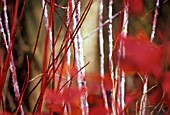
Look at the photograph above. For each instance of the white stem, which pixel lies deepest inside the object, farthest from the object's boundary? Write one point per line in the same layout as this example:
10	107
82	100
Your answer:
101	51
68	56
154	21
125	20
143	104
12	65
48	27
79	58
122	53
3	33
101	41
110	34
110	40
121	82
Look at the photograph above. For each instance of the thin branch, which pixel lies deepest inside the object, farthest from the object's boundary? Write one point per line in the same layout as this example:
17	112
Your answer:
103	24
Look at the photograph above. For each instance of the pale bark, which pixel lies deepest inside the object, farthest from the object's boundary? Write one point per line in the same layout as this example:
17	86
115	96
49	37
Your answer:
110	44
79	58
121	52
12	65
101	51
143	104
67	108
46	20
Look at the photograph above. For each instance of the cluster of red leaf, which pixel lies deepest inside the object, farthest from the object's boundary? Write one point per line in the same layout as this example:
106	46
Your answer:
55	101
142	56
94	82
70	96
135	7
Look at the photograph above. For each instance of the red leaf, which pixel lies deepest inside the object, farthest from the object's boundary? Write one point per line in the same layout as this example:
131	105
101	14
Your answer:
132	95
168	53
93	83
76	110
130	98
166	83
93	78
55	108
141	56
108	84
98	110
5	113
72	95
155	97
53	96
135	7
68	70
95	100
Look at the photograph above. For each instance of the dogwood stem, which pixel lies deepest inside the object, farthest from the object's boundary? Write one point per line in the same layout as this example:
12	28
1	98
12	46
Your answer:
12	65
121	52
68	56
101	51
110	44
79	58
143	104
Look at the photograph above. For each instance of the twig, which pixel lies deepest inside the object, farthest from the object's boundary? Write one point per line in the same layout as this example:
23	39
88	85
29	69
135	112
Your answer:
103	24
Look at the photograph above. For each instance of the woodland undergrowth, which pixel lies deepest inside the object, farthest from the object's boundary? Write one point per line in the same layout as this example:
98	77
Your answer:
134	58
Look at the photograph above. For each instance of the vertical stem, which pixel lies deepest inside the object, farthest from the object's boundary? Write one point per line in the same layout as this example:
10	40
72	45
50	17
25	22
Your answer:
125	19
110	37
101	51
79	58
110	40
2	78
48	38
101	41
69	13
121	74
68	56
143	104
51	31
3	33
12	65
48	28
154	21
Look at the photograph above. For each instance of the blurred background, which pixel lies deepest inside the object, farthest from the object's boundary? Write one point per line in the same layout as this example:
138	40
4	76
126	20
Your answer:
28	31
